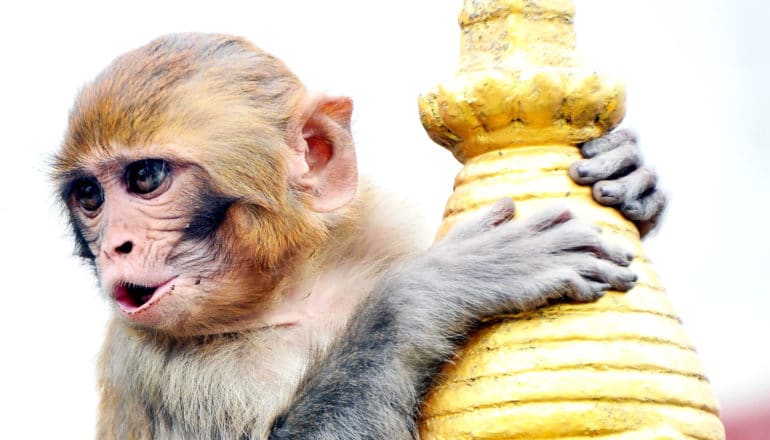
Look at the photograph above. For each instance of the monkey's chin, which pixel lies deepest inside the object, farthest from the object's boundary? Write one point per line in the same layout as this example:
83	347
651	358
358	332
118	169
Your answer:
137	301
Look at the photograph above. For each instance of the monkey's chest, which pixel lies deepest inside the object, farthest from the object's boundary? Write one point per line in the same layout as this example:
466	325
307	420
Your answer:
213	390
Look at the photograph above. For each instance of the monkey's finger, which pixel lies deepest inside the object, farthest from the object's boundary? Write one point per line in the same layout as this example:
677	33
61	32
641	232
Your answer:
625	189
613	253
547	218
583	240
501	212
574	237
618	277
599	287
607	142
604	166
568	283
646	208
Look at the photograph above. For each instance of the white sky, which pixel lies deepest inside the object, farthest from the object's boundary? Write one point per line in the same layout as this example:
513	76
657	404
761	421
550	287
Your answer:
696	74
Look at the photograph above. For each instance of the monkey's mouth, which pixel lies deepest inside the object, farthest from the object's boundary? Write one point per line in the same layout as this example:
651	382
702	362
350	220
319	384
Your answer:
132	297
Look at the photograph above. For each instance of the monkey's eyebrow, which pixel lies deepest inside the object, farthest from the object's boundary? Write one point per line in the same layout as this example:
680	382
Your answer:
65	179
63	173
114	165
69	175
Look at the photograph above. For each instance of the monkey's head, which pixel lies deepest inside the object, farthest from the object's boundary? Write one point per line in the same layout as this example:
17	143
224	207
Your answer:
196	170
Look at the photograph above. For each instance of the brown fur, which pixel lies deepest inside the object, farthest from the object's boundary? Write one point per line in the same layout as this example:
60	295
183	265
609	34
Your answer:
225	112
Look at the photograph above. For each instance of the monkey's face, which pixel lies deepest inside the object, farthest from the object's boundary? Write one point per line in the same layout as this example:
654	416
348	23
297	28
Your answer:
153	229
197	170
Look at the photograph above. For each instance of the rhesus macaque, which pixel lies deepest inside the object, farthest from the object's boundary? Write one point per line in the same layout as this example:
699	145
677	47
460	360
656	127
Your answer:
260	288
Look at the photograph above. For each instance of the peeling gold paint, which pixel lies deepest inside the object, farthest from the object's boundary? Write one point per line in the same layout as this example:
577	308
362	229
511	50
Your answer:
620	368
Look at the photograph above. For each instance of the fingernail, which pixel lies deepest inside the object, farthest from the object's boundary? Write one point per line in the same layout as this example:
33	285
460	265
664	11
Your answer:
608	191
582	171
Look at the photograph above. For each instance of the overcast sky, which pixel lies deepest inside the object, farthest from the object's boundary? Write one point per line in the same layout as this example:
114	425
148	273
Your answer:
697	87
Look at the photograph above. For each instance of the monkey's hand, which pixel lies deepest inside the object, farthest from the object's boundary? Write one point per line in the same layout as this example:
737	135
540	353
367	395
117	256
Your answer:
371	381
520	265
613	165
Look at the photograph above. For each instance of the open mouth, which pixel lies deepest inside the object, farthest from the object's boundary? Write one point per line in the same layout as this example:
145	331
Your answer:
132	297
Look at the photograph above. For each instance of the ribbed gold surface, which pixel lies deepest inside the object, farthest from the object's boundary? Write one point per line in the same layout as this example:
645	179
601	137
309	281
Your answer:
618	368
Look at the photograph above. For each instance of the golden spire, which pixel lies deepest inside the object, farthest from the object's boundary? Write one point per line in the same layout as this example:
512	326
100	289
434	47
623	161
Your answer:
619	368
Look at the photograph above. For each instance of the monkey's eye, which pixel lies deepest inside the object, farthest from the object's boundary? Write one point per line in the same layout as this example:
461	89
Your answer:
145	176
88	193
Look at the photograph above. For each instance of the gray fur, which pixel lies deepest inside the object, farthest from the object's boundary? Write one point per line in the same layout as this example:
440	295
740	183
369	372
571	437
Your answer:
608	142
371	383
609	164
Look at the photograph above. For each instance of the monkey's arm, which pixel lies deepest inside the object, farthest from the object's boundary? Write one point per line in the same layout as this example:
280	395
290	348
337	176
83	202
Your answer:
613	165
371	382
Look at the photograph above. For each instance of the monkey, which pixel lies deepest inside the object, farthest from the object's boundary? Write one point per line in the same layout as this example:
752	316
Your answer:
260	287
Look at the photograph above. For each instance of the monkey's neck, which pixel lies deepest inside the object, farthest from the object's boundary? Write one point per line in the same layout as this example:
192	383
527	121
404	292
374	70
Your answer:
369	236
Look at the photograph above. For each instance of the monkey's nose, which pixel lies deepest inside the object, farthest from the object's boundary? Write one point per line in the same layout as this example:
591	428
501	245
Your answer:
124	248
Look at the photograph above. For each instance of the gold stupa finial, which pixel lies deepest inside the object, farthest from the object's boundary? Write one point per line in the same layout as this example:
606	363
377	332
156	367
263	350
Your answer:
620	368
519	82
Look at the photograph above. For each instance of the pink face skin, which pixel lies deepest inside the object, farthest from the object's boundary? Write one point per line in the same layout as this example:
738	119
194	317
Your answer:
133	235
165	272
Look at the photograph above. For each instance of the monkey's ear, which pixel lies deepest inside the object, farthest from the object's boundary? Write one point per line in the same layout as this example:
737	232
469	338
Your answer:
325	162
